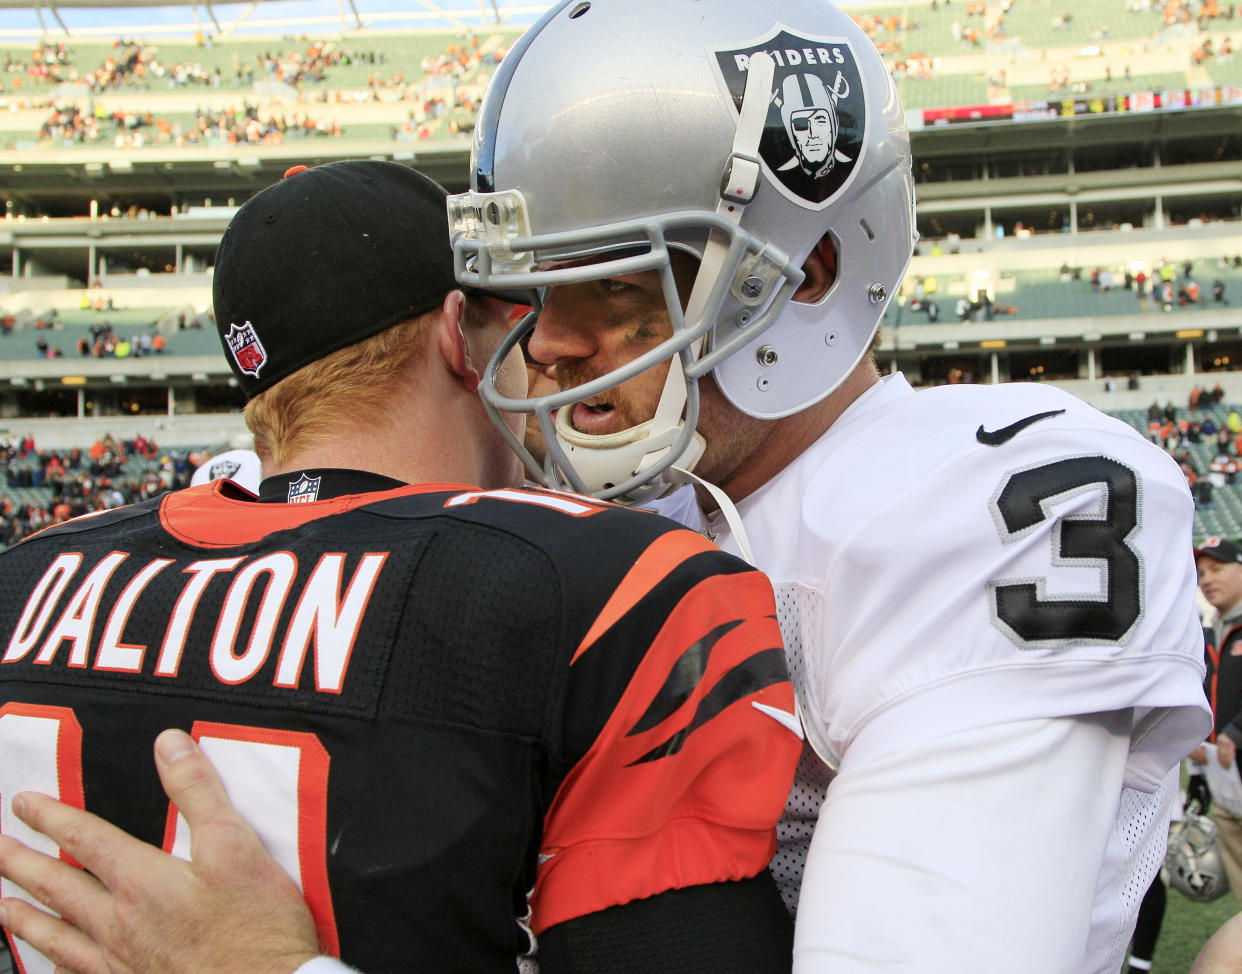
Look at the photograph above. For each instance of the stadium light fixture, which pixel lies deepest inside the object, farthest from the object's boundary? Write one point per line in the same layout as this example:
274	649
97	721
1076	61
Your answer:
950	346
1189	333
1138	336
991	343
73	380
1047	340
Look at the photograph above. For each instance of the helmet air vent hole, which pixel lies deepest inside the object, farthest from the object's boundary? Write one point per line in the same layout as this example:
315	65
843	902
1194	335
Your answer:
866	228
579	10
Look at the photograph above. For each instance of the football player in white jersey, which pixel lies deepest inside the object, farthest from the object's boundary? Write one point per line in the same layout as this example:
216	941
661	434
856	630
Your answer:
987	592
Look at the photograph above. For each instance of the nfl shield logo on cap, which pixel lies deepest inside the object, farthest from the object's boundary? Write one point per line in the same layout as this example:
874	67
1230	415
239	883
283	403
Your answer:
246	349
305	490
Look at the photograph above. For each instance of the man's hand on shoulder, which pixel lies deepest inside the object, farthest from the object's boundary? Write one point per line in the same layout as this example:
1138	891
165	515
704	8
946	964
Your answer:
138	910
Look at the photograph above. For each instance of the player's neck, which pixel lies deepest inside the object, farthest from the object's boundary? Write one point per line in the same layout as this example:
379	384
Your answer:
438	433
792	436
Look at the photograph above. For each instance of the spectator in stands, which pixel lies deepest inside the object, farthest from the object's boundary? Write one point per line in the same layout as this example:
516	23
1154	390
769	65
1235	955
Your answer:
1203	494
1218	291
1153	411
1193	399
1218	393
1223	469
1219	563
1170	411
1168	295
1234	421
1188	471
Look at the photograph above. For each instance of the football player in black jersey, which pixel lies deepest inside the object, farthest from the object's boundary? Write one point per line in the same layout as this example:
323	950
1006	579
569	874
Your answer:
463	716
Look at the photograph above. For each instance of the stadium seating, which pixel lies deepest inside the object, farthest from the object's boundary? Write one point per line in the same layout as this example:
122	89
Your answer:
1040	293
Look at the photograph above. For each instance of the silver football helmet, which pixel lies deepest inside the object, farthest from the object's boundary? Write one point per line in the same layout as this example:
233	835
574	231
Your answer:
739	131
1193	863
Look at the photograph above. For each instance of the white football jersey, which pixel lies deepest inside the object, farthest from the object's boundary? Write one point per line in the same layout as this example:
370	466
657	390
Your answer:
969	557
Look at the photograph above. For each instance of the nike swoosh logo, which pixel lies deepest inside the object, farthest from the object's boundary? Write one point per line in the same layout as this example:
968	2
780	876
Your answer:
1007	433
782	717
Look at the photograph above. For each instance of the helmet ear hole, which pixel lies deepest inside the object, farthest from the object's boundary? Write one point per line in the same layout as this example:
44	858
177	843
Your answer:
820	268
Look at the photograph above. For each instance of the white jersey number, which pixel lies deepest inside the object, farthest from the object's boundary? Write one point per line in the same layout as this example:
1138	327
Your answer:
1099	539
277	780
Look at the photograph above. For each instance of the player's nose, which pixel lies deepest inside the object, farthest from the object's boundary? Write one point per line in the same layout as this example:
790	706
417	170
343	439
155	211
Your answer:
563	331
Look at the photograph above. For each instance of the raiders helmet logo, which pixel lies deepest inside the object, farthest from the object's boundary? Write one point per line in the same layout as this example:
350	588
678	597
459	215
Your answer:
817	115
223	468
304	490
246	349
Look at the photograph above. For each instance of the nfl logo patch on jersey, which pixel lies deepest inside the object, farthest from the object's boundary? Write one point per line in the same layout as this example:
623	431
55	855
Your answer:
304	490
246	349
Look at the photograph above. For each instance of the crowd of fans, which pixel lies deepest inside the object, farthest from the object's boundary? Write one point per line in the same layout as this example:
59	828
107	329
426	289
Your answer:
48	64
1165	287
246	124
136	66
81	481
1199	425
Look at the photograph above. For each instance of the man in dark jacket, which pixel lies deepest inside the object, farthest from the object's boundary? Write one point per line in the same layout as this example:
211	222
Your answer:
1219	562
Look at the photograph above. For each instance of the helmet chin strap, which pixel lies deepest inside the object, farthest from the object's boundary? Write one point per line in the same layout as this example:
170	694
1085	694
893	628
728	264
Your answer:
741	179
727	508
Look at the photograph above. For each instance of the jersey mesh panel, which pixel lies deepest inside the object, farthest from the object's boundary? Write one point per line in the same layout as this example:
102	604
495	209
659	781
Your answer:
793	831
1143	836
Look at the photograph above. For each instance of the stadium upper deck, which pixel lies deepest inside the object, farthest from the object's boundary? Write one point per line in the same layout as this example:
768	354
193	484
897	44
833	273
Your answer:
1105	136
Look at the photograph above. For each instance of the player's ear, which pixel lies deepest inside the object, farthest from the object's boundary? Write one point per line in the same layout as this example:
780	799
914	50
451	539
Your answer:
820	268
453	345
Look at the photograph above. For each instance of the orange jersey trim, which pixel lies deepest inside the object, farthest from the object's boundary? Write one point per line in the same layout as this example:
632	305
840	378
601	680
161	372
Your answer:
653	565
205	517
661	805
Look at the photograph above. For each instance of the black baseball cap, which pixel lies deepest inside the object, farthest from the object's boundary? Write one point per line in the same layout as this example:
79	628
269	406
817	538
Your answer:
326	257
1222	549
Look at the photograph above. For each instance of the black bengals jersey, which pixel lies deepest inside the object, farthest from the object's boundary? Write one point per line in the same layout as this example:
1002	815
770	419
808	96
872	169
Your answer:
429	701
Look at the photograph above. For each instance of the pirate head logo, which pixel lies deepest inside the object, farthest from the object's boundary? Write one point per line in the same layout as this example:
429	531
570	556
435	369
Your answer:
304	490
223	468
247	351
817	115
